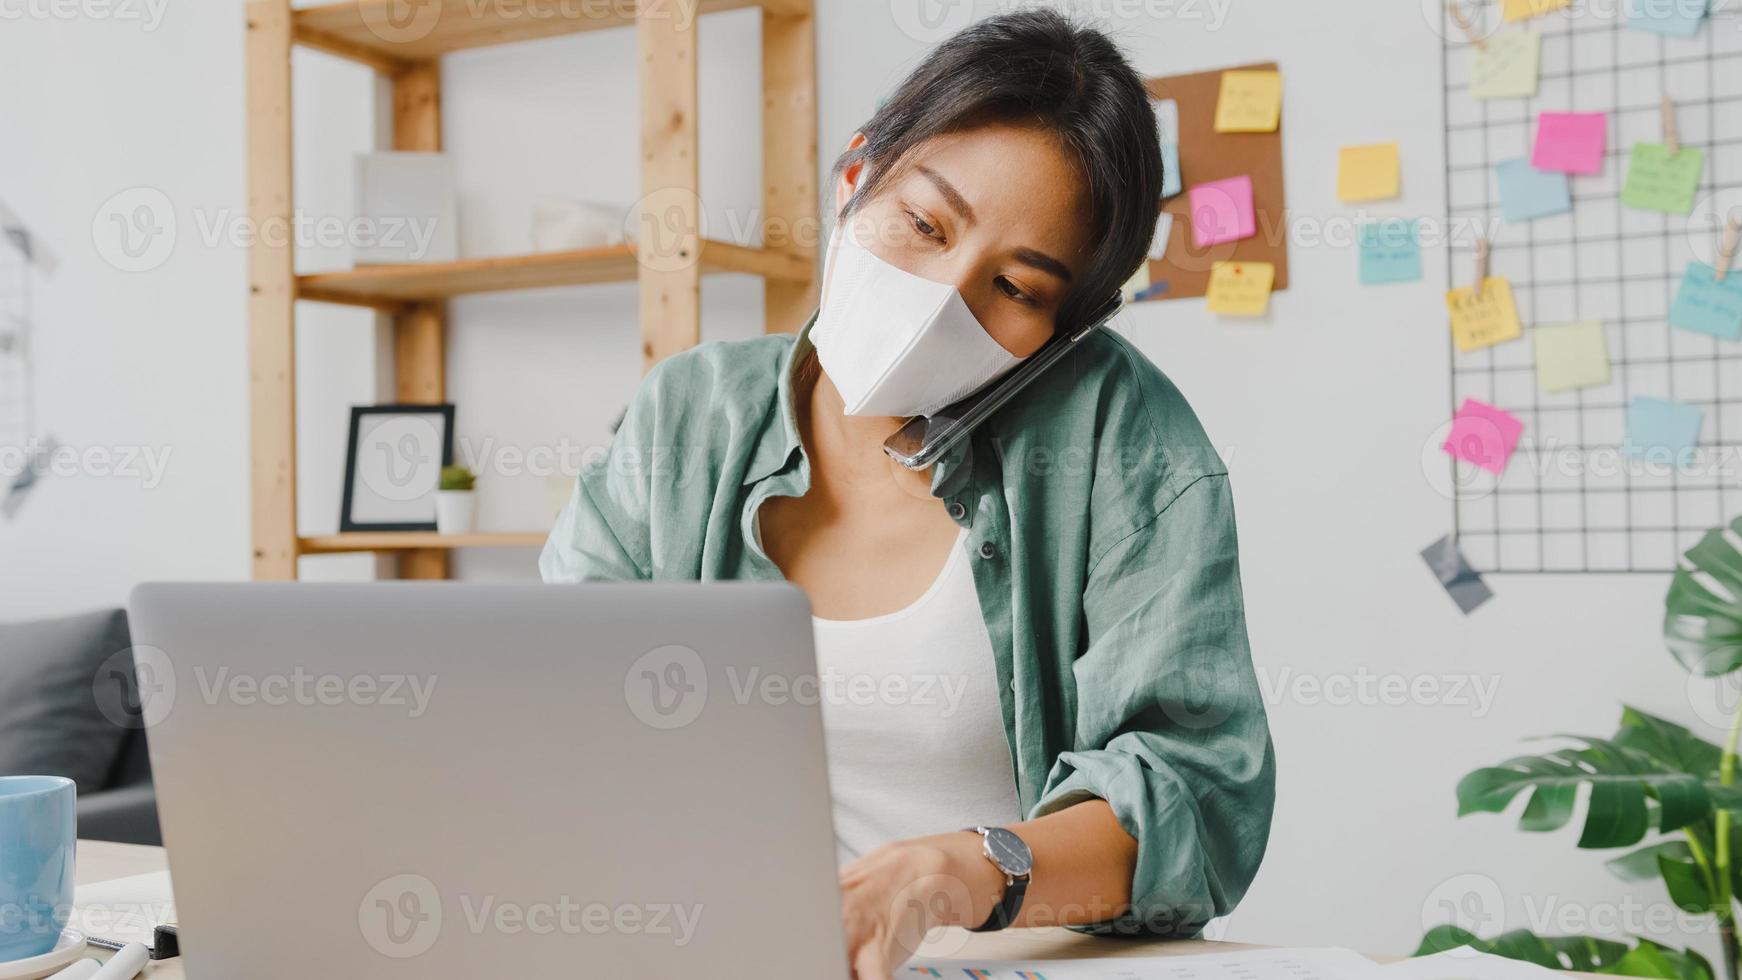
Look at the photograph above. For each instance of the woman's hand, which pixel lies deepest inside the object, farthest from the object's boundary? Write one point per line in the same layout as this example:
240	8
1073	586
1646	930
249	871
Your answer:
893	896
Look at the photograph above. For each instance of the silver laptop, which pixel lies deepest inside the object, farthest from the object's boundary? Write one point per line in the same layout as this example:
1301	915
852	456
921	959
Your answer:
456	781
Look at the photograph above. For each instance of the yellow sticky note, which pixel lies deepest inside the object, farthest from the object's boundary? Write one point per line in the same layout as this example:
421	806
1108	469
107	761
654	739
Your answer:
1137	284
1241	288
1251	102
1526	9
1483	322
1508	68
1369	173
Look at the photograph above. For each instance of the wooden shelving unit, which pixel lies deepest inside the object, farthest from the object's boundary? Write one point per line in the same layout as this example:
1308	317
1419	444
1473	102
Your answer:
404	44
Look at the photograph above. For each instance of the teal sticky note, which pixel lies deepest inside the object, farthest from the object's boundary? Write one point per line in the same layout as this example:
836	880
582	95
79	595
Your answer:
1658	181
1674	18
1171	183
1707	305
1527	193
1390	252
1663	431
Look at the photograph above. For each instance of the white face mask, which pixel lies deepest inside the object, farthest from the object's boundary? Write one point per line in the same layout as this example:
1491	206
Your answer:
895	344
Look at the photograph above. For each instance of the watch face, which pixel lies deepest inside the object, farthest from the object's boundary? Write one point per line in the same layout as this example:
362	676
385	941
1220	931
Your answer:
1008	852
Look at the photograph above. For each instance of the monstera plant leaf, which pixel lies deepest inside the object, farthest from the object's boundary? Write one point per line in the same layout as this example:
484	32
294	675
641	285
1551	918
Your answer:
1584	954
1623	780
1703	625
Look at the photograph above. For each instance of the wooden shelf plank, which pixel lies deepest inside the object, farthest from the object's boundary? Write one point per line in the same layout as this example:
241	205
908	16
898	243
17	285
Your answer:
358	541
388	286
381	34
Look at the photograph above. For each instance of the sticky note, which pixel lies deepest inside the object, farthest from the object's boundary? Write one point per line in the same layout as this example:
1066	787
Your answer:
1483	435
1571	142
1657	181
1485	321
1570	355
1167	127
1163	232
1707	305
1526	9
1368	173
1674	18
1171	179
1390	252
1251	102
1508	68
1454	572
1241	288
1222	211
1663	431
1527	193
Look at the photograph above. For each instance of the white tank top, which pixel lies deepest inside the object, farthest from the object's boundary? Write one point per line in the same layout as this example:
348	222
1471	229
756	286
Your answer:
915	732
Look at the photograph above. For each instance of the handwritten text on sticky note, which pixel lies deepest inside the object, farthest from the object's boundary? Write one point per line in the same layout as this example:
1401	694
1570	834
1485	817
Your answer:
1508	67
1222	211
1390	252
1483	321
1241	288
1571	142
1251	102
1704	304
1658	180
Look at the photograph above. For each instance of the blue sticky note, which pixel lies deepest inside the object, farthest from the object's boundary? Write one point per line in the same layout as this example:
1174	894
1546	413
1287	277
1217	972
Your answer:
1663	431
1707	305
1390	252
1526	192
1674	18
1170	176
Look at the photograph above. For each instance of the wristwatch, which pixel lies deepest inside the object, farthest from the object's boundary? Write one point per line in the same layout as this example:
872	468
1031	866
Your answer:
1011	856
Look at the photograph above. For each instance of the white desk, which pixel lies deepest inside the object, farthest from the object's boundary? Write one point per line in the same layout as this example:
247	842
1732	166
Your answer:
100	861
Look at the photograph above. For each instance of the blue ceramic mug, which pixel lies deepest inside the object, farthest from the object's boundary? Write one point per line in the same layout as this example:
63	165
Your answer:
38	832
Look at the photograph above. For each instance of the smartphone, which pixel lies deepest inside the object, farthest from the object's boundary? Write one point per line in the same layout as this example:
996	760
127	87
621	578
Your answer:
920	442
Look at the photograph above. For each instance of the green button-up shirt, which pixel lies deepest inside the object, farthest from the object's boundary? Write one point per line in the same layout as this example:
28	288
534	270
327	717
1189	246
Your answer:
1101	534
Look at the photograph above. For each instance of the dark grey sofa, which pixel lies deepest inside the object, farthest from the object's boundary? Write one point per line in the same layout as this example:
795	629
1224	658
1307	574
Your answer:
69	706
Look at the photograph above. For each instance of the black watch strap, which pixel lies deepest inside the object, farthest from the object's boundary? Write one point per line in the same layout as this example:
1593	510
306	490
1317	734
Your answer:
1008	907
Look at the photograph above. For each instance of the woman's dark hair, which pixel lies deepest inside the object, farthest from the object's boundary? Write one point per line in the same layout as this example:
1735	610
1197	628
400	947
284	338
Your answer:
1035	68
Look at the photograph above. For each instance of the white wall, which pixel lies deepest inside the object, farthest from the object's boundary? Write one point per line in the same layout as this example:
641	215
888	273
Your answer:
1324	407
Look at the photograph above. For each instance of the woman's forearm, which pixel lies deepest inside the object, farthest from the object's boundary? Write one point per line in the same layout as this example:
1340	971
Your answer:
1083	863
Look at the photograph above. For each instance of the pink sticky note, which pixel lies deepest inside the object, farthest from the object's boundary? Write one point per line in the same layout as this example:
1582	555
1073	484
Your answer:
1571	142
1222	211
1484	435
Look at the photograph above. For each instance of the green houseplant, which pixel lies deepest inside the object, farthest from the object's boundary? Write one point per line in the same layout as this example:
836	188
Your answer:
1651	779
456	501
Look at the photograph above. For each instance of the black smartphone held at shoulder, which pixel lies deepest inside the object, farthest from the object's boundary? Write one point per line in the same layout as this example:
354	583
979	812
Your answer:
920	442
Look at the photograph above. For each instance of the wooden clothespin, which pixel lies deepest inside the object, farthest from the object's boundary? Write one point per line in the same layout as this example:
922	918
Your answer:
1481	267
1672	140
1461	17
1727	249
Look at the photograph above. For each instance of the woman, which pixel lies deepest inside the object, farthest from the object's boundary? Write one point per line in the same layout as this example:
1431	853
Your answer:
1095	714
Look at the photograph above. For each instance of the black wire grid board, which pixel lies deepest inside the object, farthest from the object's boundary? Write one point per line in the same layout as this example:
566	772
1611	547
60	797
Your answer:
1570	500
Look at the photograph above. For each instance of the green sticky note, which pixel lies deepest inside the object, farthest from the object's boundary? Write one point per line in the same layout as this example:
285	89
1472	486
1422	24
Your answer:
1570	355
1508	67
1657	181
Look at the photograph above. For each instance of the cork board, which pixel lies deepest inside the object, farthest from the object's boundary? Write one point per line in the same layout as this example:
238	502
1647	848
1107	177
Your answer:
1207	155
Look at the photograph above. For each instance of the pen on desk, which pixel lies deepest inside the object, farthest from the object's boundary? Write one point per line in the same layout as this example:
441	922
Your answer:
124	965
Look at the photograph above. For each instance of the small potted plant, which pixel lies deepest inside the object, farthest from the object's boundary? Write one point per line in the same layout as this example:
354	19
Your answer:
457	501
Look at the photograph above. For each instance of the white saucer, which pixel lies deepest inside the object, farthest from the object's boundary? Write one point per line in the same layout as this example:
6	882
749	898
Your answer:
69	949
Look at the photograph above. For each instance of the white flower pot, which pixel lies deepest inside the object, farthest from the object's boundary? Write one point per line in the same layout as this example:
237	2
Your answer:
456	511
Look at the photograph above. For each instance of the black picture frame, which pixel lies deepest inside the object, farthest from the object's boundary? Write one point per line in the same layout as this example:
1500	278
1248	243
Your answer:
358	414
